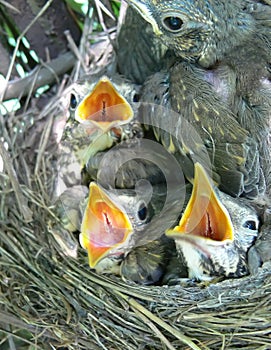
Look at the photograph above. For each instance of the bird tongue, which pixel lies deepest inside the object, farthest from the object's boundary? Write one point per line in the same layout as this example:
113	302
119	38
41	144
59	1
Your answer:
105	225
104	106
205	216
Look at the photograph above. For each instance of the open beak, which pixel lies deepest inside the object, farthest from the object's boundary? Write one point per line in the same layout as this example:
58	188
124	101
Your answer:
105	226
104	106
146	14
205	216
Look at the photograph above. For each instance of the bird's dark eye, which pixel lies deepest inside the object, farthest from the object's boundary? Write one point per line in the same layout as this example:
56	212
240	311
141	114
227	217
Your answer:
250	224
136	97
142	212
73	101
174	24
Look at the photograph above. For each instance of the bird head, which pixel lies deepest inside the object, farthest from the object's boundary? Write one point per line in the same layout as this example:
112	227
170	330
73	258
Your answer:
200	31
113	222
100	115
102	104
215	231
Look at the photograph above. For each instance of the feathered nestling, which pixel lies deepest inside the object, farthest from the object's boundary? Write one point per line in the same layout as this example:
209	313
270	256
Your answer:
220	84
215	231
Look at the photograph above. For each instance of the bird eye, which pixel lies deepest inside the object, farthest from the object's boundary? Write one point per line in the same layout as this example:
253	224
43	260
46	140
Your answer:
250	224
73	101
136	97
174	24
142	212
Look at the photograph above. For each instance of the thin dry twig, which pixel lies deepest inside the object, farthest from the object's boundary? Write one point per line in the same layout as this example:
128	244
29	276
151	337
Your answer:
75	50
22	203
18	41
43	143
100	9
154	329
163	324
13	8
42	75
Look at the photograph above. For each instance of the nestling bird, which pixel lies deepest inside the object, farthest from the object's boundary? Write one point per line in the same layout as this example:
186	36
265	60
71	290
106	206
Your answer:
143	264
101	114
215	231
122	229
220	84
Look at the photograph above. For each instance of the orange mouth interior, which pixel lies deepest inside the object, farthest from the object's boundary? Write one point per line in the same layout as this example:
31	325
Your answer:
105	225
104	106
205	216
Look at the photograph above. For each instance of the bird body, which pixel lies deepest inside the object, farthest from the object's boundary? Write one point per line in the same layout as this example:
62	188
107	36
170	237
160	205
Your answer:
122	231
117	229
99	108
203	129
148	263
220	83
69	207
101	115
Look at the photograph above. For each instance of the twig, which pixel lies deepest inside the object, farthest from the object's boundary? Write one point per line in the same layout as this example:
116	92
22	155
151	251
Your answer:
45	7
43	142
87	29
154	329
100	15
100	7
103	281
12	335
5	3
24	209
9	319
184	339
74	49
41	75
105	9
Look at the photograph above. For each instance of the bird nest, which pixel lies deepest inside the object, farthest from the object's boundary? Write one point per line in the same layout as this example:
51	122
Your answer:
52	300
